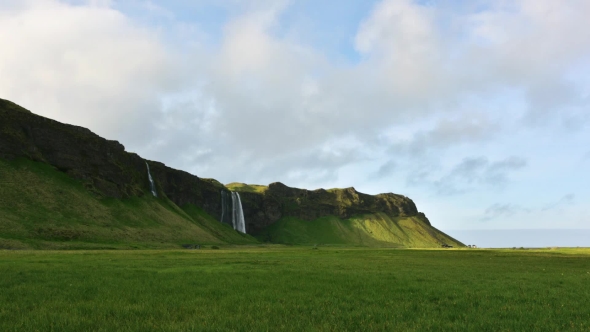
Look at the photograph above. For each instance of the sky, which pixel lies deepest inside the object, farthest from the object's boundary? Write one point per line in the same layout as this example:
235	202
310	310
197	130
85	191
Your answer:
477	110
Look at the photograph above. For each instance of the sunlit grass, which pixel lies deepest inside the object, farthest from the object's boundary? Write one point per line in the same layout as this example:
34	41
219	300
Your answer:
253	188
376	229
295	289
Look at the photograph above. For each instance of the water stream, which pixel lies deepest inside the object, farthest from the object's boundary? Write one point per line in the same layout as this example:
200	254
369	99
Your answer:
238	214
232	209
152	185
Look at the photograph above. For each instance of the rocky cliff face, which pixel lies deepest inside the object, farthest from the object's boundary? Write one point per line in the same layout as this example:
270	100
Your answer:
106	169
103	166
262	209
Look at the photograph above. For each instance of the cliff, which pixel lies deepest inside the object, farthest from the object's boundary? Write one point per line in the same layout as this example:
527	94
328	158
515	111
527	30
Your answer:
106	170
103	166
266	205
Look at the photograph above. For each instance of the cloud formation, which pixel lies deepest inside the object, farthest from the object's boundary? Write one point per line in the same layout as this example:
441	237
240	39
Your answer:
563	201
464	129
86	65
427	91
470	174
497	211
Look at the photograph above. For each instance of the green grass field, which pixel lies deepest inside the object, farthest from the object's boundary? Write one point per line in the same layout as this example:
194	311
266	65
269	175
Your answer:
295	289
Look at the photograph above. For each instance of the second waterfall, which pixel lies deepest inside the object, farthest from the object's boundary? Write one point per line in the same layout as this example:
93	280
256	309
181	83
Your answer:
231	210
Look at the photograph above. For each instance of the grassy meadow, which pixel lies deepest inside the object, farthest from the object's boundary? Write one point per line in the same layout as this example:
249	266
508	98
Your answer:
280	288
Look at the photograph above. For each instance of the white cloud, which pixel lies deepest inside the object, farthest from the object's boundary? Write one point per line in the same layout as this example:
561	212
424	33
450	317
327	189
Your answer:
563	201
271	95
86	65
464	128
497	211
478	171
401	38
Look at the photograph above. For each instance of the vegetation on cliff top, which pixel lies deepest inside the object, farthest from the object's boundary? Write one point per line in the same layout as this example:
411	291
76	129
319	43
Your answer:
7	104
250	188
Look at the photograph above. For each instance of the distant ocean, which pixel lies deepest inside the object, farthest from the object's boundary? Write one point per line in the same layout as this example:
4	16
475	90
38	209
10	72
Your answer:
528	238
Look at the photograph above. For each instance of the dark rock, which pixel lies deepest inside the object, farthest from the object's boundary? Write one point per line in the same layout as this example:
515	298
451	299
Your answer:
103	166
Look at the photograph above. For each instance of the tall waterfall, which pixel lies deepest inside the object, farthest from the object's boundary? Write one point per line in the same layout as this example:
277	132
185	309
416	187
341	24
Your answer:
231	211
238	213
152	185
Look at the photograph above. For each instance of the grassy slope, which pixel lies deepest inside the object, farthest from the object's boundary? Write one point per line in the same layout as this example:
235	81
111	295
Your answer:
367	230
41	207
295	289
216	228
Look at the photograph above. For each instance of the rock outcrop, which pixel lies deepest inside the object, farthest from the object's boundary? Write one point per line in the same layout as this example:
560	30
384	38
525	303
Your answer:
261	209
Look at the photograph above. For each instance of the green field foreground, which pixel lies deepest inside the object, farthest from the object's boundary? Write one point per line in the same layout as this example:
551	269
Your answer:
295	289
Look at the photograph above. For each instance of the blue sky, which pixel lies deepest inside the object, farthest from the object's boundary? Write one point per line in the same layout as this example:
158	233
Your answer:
477	110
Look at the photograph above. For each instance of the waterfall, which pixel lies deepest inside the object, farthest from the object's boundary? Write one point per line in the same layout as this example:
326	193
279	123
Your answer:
235	217
152	185
238	214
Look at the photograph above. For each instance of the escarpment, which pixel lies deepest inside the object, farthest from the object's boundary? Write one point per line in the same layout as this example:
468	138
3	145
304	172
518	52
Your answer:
108	171
103	166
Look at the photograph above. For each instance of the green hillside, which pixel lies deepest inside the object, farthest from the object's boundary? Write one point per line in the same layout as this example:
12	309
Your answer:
372	230
41	207
62	186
